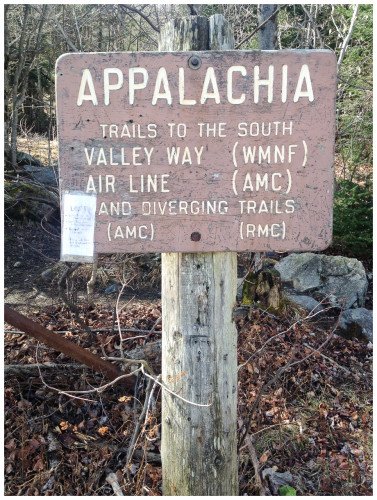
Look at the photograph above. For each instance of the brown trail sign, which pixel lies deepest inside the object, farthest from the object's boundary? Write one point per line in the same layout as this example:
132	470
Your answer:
197	151
204	151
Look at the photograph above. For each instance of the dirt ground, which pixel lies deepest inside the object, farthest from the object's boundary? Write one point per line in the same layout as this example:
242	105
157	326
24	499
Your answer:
313	424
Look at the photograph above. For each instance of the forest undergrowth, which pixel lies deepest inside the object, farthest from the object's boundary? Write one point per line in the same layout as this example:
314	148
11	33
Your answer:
313	423
304	393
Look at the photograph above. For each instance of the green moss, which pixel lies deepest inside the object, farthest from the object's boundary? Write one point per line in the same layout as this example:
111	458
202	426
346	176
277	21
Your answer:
287	491
263	289
248	289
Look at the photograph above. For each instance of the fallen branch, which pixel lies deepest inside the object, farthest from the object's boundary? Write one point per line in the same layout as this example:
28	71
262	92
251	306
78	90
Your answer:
149	456
138	424
20	368
94	330
98	390
151	352
118	310
255	462
63	345
271	427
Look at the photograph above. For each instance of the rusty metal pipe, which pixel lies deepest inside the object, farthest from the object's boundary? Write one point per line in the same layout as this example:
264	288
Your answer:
63	345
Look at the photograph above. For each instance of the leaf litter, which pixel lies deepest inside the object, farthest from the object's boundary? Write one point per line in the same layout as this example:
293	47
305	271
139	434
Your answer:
311	425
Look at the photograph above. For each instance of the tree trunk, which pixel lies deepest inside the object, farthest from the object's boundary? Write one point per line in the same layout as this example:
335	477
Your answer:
22	50
199	343
26	59
267	34
6	85
267	41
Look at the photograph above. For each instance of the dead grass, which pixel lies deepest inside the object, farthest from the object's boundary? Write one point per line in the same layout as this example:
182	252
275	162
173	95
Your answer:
39	147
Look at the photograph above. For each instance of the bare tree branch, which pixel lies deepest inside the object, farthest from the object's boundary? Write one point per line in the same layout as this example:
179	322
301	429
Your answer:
255	462
348	37
60	28
247	38
63	345
312	21
141	14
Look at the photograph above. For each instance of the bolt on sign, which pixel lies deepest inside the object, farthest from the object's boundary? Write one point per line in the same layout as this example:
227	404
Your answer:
196	151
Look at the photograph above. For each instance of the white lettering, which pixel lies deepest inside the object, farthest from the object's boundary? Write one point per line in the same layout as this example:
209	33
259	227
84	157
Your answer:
106	184
277	84
175	156
87	79
231	70
268	154
304	77
271	207
210	79
114	86
284	83
162	81
269	83
181	88
136	86
179	207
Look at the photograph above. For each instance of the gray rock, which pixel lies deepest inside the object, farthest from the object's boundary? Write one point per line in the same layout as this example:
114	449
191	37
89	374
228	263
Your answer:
305	301
341	280
17	264
44	175
277	479
114	288
301	270
26	159
357	323
47	275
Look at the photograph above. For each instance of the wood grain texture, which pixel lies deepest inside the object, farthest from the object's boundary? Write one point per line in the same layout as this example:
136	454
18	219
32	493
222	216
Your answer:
199	352
184	34
220	33
199	363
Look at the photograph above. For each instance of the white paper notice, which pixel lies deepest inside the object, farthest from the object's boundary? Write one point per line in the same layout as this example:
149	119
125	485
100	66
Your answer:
79	215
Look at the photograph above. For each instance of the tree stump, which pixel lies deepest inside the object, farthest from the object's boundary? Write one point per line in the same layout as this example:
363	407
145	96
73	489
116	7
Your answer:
263	288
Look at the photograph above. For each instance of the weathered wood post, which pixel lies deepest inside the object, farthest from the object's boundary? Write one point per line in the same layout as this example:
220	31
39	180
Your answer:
199	345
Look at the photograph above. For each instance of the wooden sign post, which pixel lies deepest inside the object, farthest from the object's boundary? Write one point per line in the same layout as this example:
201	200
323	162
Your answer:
197	151
199	345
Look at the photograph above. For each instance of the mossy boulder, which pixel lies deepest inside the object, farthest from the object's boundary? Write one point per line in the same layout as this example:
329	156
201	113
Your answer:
25	201
339	280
